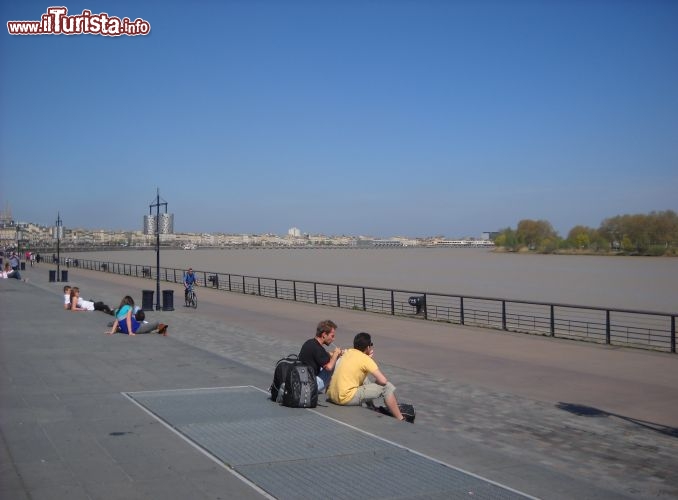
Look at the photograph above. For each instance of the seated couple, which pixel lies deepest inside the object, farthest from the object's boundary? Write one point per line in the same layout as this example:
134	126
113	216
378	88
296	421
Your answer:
132	321
8	272
73	302
346	382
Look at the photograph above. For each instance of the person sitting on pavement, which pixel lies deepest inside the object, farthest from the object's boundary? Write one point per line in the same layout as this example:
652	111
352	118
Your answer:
130	320
80	304
8	272
348	385
67	297
14	261
147	326
314	354
124	317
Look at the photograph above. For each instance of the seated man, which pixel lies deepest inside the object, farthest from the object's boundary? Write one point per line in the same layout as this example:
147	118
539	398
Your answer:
314	354
148	327
67	297
348	386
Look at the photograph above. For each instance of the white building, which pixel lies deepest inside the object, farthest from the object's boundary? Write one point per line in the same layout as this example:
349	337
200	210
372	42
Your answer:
294	232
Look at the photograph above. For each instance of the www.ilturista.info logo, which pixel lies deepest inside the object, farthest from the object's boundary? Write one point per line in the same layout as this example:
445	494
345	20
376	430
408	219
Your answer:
56	21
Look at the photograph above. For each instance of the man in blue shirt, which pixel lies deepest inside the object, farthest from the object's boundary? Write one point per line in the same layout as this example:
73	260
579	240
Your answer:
189	281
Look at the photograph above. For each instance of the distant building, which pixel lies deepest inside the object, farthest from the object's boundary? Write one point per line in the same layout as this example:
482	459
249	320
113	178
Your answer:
294	232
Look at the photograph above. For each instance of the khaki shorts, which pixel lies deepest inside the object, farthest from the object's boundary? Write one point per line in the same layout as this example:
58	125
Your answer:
368	392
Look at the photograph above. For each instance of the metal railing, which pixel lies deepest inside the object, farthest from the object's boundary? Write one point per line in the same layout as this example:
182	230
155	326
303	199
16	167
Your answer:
632	328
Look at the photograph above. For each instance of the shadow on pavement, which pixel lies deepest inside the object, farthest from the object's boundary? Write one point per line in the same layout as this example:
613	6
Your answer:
589	411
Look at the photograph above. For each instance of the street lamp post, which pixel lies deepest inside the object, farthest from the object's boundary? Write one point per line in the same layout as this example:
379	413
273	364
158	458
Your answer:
18	240
58	231
157	205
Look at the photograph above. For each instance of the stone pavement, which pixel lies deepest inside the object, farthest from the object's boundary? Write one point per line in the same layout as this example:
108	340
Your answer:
551	418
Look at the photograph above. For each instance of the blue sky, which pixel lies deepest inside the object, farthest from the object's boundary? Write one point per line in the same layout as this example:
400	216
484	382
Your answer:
344	117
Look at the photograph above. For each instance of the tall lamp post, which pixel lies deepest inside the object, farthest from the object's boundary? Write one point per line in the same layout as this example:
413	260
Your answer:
157	205
58	230
19	235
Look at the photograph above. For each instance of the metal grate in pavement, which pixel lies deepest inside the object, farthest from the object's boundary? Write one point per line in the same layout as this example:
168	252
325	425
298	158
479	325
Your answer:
284	451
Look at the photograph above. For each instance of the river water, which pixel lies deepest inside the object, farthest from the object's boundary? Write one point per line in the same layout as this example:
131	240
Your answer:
644	283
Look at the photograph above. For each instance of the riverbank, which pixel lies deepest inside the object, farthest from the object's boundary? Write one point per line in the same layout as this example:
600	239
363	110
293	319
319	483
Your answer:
663	252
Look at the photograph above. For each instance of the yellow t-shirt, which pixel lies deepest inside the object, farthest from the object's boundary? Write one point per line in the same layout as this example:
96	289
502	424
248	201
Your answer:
350	374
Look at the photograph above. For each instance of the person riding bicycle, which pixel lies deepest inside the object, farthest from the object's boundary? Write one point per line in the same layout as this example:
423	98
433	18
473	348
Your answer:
189	281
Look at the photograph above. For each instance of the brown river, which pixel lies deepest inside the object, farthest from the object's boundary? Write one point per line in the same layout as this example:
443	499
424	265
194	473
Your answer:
644	283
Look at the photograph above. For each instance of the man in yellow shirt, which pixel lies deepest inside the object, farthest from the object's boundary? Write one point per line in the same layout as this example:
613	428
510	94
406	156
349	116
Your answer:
348	387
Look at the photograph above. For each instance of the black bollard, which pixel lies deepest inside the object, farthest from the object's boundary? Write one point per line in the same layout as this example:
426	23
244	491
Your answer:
168	300
147	300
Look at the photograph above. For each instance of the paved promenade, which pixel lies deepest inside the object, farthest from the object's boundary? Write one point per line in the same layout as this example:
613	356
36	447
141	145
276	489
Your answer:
550	418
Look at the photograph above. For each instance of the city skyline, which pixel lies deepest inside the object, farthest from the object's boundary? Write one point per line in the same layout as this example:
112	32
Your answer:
385	119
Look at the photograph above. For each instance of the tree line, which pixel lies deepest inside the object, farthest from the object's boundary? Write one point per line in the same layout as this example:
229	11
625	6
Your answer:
655	233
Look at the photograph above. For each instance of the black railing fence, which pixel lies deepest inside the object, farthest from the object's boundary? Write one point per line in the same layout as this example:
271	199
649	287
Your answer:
643	329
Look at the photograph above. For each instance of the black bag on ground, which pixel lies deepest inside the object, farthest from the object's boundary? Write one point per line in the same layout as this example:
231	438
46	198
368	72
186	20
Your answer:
280	374
301	388
406	409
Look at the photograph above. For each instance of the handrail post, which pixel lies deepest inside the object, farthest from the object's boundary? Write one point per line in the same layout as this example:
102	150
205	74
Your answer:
275	284
229	282
607	326
392	304
673	334
553	321
461	310
315	293
364	308
294	290
503	315
243	283
259	286
425	308
338	298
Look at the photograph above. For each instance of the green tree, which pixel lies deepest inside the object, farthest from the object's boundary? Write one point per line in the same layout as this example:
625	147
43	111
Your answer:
507	239
580	237
640	232
531	233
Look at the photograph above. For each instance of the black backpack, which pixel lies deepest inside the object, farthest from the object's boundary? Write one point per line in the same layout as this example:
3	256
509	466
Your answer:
280	374
301	388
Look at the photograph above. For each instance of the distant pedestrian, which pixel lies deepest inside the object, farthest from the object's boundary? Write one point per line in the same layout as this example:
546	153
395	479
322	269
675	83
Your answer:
14	261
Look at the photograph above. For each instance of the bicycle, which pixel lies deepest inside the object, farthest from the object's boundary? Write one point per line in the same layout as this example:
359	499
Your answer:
191	298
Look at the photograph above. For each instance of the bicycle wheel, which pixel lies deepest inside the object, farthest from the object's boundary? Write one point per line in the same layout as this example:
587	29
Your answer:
194	300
